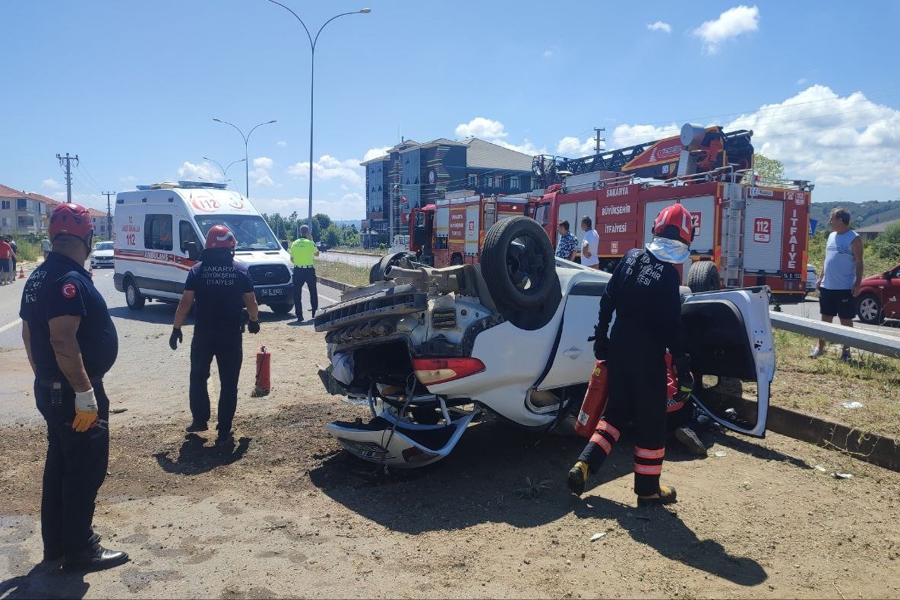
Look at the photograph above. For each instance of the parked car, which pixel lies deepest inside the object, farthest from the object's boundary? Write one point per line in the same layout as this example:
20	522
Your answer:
430	350
102	255
879	297
811	276
321	246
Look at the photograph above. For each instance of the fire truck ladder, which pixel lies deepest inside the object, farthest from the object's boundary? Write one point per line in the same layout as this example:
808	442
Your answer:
732	262
547	168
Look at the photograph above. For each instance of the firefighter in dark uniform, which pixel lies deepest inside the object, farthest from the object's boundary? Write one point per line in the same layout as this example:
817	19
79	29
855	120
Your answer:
71	343
644	294
221	288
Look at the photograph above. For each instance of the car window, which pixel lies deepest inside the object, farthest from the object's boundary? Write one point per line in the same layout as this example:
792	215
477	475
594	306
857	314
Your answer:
104	246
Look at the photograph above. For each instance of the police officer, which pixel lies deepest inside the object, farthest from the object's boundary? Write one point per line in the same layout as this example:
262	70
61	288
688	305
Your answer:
643	292
302	252
221	288
71	343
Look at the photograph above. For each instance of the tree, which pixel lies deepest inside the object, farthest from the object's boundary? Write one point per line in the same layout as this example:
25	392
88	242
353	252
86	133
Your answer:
768	169
332	236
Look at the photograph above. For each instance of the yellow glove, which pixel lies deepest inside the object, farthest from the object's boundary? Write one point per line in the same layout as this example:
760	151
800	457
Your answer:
85	411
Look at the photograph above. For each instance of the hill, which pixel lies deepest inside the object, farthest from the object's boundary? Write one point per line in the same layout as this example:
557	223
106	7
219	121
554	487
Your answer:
862	214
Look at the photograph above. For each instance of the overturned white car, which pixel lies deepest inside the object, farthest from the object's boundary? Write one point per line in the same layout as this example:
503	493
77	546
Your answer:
431	349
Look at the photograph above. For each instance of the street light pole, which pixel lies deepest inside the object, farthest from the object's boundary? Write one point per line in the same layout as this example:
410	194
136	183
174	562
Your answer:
312	83
246	154
225	170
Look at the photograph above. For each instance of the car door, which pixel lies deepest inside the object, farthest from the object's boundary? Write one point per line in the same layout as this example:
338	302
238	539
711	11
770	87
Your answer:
891	294
728	335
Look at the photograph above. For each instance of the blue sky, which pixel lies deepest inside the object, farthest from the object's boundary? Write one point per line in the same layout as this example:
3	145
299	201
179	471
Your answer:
132	87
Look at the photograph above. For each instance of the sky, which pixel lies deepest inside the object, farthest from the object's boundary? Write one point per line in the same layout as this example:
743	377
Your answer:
132	88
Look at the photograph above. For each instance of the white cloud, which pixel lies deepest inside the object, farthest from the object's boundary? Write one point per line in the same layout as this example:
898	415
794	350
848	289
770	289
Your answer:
548	53
802	81
828	139
51	184
660	26
128	179
260	172
572	147
329	167
281	143
199	172
629	135
375	153
481	128
731	23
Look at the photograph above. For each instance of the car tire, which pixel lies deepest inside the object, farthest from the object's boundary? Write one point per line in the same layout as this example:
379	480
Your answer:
281	309
869	309
376	273
703	277
518	264
133	296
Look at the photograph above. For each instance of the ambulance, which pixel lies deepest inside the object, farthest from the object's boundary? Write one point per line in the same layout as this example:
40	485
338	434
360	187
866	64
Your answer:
161	229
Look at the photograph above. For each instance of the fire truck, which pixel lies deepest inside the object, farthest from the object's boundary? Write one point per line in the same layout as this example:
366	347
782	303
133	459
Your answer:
451	231
745	234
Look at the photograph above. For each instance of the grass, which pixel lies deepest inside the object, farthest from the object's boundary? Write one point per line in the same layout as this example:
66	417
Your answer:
817	387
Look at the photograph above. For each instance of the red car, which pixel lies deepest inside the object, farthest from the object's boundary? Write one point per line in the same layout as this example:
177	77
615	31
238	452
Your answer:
879	297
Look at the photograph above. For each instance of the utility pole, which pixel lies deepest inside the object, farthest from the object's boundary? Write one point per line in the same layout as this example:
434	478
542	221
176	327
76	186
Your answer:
108	215
599	139
68	160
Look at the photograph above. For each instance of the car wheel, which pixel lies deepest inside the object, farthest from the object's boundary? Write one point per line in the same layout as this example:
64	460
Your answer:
133	297
703	277
281	309
868	307
517	263
376	273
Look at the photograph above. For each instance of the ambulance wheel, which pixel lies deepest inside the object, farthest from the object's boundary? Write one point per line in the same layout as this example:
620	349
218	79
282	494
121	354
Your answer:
517	263
281	309
133	296
703	277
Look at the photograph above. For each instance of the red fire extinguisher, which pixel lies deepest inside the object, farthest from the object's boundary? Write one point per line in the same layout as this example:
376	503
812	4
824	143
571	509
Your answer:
594	401
263	362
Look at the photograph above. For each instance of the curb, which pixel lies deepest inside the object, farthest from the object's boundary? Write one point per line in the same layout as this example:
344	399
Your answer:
868	447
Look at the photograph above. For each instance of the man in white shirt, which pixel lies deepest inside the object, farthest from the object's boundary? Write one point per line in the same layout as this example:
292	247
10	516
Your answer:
591	244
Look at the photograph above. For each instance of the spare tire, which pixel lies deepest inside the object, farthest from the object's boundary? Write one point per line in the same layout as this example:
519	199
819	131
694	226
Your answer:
376	273
517	263
703	277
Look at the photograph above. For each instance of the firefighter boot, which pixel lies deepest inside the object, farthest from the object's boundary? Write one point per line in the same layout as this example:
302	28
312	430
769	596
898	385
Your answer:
577	477
665	495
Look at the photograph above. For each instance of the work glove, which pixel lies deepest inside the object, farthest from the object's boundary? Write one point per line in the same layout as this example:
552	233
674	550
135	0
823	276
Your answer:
253	327
175	338
601	344
685	379
85	411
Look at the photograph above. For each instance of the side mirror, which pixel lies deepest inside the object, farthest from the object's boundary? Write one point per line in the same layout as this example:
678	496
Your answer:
193	252
887	275
284	244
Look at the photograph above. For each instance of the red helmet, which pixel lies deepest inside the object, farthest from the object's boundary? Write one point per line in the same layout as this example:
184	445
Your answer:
71	219
674	222
220	236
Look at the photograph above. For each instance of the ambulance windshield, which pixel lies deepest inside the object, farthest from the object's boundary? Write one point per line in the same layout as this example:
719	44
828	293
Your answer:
252	231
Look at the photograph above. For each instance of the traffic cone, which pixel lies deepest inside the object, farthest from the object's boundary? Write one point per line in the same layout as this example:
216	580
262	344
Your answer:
21	273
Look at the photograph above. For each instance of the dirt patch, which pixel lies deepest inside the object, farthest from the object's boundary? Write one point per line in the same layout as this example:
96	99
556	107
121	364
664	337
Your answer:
286	513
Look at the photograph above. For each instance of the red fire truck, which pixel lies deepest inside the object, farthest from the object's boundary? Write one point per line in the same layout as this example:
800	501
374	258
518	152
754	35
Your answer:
451	231
745	234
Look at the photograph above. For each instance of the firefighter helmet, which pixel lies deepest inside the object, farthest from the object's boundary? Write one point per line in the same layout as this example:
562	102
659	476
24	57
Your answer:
220	236
71	219
674	222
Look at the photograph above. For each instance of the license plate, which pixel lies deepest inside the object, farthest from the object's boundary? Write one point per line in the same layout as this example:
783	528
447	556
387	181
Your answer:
271	292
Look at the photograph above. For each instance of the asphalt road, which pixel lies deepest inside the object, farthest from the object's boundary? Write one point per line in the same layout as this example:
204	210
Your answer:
810	310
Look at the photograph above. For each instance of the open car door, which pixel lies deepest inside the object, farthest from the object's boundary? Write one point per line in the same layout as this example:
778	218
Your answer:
728	335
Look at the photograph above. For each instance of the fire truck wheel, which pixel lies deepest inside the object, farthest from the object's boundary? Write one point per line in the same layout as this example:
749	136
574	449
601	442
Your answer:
376	273
703	277
518	264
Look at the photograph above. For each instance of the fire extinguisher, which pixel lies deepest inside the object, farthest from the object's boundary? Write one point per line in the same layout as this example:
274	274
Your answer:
263	363
594	401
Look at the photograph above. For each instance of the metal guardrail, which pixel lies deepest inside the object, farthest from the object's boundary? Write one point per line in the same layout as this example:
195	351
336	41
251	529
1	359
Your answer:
870	341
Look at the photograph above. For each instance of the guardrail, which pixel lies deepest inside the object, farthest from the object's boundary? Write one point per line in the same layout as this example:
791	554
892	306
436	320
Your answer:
870	341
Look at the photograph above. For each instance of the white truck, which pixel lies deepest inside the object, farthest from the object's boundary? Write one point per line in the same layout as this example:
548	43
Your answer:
161	229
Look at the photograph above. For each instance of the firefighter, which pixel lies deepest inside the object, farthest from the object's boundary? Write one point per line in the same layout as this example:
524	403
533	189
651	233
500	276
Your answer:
221	288
71	343
644	294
